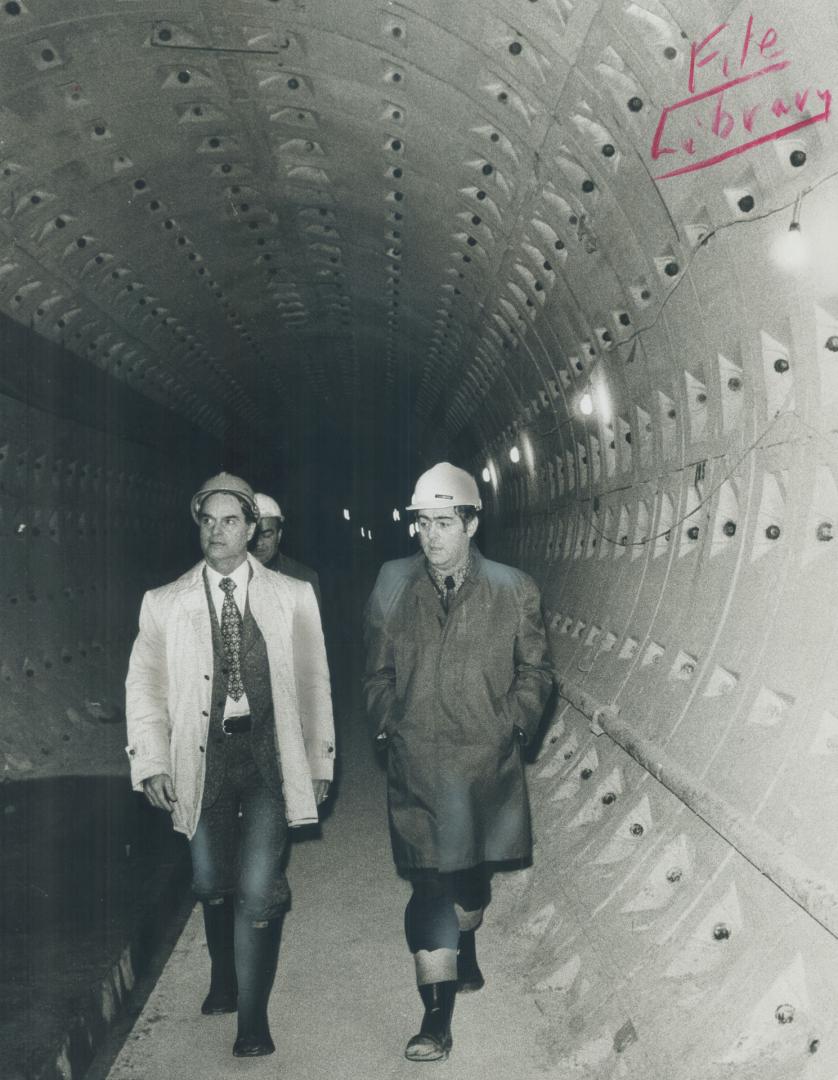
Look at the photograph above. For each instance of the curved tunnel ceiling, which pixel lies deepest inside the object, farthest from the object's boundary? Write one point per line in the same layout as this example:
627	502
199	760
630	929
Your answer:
540	239
391	210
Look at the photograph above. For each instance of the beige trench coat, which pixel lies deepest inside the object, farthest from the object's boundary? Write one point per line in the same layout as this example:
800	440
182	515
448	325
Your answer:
169	684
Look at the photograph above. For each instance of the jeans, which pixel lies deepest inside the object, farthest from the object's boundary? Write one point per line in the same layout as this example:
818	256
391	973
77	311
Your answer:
431	918
240	844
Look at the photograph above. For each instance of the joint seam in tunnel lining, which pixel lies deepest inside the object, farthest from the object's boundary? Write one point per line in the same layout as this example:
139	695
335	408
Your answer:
750	449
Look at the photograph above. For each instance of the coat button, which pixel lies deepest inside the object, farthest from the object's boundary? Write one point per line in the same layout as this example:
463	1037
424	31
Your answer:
204	713
201	749
132	752
207	677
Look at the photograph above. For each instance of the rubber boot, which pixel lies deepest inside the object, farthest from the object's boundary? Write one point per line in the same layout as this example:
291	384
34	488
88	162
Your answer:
257	949
218	924
469	975
434	1041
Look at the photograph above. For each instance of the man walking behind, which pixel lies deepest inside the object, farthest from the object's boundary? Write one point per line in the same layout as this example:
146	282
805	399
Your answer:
230	731
457	677
266	540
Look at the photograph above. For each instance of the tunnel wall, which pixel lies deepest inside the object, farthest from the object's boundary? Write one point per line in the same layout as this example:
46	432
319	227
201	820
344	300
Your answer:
682	534
94	491
688	577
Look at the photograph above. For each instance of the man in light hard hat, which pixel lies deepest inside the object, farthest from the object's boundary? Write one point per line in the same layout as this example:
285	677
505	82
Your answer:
457	677
230	731
265	545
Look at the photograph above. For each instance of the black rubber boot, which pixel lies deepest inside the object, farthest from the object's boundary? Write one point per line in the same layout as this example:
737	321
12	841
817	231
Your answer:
469	975
218	924
434	1041
257	949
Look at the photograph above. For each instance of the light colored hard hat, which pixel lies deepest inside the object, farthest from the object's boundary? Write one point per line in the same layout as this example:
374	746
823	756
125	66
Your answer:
268	507
224	484
444	486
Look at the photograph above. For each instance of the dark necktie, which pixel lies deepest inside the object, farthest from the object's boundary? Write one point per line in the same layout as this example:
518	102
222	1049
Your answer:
449	593
231	635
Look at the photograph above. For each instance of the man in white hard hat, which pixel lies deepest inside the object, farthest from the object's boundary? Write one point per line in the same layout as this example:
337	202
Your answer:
265	545
457	678
230	731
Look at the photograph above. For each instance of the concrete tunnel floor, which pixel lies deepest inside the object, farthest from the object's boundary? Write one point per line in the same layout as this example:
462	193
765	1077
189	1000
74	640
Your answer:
344	1002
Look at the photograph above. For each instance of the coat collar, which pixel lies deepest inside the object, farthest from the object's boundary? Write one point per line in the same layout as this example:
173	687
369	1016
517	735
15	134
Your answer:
422	587
192	596
189	588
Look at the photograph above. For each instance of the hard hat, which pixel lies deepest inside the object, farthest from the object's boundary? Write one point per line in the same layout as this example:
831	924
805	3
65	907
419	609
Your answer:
444	486
224	484
268	507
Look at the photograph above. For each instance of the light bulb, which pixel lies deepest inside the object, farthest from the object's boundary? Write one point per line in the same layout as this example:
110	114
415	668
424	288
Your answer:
586	404
514	455
791	249
487	476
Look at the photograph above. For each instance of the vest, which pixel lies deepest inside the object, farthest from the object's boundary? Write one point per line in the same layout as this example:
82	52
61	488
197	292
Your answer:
256	678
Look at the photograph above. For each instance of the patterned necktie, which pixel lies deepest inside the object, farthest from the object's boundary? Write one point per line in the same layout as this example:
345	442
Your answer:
231	635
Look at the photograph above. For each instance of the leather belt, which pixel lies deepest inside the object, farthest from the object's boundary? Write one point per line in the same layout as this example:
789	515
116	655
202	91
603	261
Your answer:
235	725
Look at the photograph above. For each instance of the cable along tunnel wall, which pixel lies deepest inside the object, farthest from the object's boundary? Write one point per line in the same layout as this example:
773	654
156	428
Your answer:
714	648
689	583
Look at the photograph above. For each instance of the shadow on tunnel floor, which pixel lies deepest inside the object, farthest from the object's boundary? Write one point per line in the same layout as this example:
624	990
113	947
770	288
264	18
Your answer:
88	876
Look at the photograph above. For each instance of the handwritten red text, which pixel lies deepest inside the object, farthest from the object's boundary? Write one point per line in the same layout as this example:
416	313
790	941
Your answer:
740	112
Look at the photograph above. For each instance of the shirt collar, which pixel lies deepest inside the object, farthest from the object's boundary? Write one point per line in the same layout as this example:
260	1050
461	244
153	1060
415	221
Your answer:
439	578
241	576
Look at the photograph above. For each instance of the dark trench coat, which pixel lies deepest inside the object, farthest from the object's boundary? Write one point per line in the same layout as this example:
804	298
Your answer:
448	692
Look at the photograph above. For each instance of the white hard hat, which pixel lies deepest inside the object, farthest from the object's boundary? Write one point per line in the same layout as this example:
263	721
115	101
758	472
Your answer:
224	484
444	486
268	507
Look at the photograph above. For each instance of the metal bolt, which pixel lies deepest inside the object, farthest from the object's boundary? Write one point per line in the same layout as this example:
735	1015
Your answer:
781	365
729	528
586	774
636	829
773	532
674	875
721	932
784	1014
825	530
